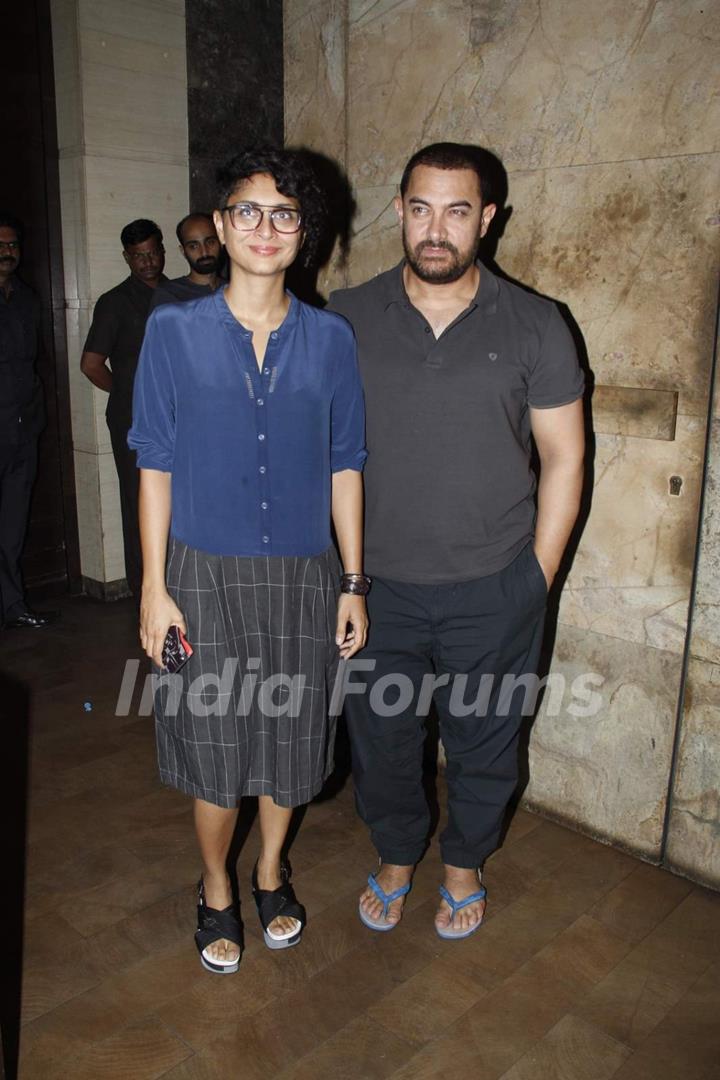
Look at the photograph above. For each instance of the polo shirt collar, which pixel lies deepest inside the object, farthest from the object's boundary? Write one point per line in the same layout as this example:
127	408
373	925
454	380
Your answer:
485	301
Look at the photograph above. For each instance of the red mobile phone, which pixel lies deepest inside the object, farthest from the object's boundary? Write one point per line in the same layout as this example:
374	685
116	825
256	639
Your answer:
177	650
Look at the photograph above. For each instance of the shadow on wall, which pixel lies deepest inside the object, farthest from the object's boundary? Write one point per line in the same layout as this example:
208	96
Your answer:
341	207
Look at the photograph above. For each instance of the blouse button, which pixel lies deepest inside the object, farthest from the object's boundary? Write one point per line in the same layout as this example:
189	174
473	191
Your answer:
261	437
263	469
274	334
266	539
260	401
263	506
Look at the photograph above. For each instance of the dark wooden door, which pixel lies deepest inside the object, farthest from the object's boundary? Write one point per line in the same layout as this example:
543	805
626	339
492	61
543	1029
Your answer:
29	188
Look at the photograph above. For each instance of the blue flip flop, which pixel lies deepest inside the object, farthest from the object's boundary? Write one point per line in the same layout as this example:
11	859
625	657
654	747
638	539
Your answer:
458	905
386	899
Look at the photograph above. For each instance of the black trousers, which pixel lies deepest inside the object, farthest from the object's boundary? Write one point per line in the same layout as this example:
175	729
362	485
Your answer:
18	465
129	482
462	645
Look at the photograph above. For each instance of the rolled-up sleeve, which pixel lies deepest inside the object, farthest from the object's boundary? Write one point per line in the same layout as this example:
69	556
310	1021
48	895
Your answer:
347	444
152	433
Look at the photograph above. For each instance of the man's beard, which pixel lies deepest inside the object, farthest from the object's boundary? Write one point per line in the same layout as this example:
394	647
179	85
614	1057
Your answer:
443	274
208	265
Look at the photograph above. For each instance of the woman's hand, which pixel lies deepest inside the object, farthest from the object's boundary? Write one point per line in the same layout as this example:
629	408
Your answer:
158	612
352	624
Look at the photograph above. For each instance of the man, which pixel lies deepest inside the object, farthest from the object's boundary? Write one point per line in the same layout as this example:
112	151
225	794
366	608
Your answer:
116	335
459	368
198	242
22	418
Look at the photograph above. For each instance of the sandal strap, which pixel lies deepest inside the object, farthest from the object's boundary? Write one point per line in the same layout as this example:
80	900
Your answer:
215	924
272	903
458	905
386	899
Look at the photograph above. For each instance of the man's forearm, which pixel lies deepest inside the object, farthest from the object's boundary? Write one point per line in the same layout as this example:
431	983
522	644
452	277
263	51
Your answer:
559	494
94	367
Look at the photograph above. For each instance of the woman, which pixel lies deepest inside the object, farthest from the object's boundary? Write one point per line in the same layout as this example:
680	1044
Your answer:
249	428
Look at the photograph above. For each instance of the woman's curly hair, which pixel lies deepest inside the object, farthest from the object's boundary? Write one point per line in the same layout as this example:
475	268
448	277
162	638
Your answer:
293	176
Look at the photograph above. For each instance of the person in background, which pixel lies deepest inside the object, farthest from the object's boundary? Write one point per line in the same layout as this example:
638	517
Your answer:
109	361
22	418
462	370
248	422
198	242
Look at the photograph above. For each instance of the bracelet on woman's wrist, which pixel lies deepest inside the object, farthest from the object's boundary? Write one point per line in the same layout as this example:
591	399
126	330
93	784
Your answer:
355	584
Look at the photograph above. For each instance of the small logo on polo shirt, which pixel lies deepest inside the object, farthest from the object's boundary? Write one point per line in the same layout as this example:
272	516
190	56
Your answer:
492	356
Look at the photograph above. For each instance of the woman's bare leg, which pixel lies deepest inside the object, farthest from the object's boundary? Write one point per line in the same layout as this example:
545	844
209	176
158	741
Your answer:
274	825
215	826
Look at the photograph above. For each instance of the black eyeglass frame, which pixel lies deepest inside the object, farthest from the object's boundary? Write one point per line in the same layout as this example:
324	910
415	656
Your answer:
263	208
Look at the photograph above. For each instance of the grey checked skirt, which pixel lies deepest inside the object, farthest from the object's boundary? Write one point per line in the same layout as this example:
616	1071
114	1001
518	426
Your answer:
248	713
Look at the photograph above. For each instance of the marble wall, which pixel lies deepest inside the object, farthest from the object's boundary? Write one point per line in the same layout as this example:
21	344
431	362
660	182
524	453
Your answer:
235	84
120	78
694	815
607	124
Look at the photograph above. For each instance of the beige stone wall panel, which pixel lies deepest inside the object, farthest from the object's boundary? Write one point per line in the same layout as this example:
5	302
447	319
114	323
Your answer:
705	640
545	85
632	572
694	838
633	250
608	772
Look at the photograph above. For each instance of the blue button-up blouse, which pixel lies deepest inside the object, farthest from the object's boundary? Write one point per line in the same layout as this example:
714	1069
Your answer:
251	452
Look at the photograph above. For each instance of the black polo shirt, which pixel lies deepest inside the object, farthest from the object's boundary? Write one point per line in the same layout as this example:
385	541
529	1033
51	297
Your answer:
448	485
117	331
22	409
178	291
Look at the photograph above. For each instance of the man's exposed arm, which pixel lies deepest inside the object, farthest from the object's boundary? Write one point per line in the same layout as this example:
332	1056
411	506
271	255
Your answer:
560	438
94	366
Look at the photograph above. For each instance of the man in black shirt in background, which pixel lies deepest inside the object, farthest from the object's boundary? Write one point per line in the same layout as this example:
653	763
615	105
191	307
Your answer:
199	244
116	336
22	418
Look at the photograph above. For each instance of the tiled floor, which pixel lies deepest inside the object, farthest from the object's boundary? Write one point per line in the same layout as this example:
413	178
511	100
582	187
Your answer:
591	964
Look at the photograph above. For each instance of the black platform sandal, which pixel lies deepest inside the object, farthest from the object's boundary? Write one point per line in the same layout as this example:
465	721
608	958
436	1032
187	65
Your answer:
214	925
282	901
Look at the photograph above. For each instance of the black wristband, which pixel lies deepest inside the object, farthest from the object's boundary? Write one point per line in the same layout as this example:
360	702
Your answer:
355	584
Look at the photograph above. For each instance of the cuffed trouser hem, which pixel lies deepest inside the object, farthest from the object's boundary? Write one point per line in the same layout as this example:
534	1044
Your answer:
399	858
462	859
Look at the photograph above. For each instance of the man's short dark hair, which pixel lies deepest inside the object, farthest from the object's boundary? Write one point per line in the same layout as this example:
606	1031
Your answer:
9	221
191	217
293	176
450	155
137	232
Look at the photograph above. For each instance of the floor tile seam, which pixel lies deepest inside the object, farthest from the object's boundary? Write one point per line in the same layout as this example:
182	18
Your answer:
324	1042
361	949
664	1019
135	914
285	992
202	1045
622	1045
176	1034
484	991
75	1057
572	857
